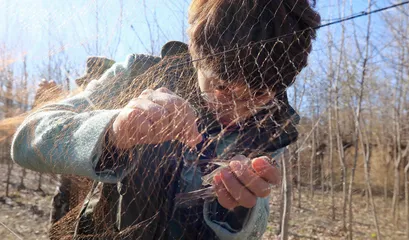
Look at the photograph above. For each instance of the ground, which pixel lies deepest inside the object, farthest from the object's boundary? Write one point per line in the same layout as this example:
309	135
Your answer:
313	220
25	214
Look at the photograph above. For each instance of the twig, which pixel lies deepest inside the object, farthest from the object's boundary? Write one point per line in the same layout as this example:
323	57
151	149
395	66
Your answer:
15	234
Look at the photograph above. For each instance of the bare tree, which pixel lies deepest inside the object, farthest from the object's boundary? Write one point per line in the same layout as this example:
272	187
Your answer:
24	107
340	147
330	132
286	189
366	145
298	146
6	75
357	121
398	153
8	108
313	156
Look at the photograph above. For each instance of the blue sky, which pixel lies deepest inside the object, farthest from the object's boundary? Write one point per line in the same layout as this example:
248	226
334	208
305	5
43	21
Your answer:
31	27
30	20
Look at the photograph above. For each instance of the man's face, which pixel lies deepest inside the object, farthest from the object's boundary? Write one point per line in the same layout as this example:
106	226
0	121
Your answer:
231	102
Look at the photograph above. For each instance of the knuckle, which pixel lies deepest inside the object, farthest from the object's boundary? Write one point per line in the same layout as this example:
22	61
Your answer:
126	113
239	157
226	204
133	101
164	113
163	89
241	174
265	192
232	205
249	202
219	191
229	202
276	181
146	91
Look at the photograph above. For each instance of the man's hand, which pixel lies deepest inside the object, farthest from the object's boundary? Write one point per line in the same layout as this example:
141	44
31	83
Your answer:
241	184
154	117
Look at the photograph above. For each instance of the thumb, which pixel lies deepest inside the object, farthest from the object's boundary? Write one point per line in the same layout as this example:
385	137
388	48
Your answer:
192	135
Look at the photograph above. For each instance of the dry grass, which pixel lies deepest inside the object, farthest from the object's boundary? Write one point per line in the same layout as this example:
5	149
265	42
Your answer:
313	219
26	213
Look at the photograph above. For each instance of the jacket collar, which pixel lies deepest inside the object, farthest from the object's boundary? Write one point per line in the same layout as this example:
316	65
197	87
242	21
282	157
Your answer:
265	132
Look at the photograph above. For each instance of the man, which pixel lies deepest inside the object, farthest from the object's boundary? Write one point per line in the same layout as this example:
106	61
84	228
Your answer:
155	144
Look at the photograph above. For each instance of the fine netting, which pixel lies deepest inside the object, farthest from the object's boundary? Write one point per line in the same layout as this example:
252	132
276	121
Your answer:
163	189
149	192
162	195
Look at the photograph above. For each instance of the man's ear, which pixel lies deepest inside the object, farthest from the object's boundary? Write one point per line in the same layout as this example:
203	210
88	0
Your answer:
174	48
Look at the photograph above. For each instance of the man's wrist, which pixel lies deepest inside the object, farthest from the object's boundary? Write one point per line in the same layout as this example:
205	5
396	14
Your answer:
110	153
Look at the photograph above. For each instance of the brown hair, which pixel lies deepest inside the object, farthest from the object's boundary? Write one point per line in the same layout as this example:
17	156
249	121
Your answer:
264	42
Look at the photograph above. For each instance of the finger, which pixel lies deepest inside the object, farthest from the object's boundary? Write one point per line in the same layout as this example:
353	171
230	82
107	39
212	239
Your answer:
172	123
165	90
130	128
156	116
172	104
183	117
223	196
192	134
240	158
145	93
266	171
163	96
139	103
237	190
251	180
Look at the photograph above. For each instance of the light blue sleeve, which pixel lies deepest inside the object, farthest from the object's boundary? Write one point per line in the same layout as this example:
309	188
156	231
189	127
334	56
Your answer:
69	136
253	228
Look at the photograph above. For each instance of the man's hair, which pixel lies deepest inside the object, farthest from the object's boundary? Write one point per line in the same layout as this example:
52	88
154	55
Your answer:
266	43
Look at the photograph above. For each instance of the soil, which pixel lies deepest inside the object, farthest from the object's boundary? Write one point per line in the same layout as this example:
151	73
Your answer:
25	213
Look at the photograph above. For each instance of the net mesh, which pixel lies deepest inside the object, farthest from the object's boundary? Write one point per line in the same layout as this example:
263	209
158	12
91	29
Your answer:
148	203
248	53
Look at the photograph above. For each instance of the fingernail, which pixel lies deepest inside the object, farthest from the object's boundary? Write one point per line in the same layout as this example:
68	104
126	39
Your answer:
197	139
193	142
226	173
265	160
236	165
217	179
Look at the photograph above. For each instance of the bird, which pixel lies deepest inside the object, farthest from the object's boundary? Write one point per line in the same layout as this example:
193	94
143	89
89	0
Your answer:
208	192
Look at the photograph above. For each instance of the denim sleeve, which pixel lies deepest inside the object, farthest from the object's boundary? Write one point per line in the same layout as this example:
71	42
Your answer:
242	223
68	136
